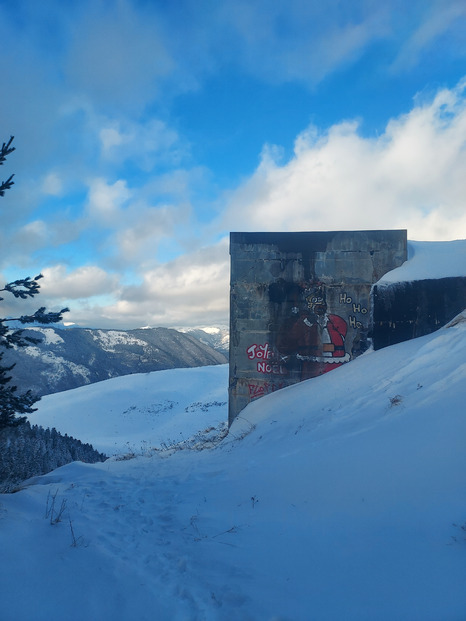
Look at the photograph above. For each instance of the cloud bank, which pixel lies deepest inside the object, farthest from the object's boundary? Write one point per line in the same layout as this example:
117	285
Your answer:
411	176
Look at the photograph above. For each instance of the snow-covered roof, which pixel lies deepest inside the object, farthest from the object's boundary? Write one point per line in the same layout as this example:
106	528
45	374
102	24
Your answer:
430	260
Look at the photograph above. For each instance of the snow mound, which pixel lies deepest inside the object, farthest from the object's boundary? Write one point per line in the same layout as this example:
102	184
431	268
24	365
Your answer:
428	260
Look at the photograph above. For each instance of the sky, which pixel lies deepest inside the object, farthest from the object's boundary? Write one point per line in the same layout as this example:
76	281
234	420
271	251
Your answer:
147	131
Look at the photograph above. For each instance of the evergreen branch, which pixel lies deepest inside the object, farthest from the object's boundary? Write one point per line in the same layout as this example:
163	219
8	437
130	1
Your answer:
42	317
11	403
38	317
6	185
24	287
16	338
6	150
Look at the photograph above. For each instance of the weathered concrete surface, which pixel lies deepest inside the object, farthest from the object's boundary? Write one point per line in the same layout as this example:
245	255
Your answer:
300	304
406	310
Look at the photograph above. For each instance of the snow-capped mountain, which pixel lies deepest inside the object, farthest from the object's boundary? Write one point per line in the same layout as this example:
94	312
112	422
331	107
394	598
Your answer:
217	337
65	359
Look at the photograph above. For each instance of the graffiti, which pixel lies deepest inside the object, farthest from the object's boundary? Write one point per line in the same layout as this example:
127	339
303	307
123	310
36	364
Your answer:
315	339
264	352
354	323
345	299
259	390
357	308
276	369
311	341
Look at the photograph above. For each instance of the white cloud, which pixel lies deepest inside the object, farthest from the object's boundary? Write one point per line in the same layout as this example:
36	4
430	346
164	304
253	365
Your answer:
145	143
52	184
188	291
137	240
131	227
17	246
32	235
85	290
411	176
83	282
110	138
180	183
106	200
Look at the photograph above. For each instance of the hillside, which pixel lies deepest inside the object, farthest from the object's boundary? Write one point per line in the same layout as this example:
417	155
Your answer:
141	411
66	359
218	338
342	497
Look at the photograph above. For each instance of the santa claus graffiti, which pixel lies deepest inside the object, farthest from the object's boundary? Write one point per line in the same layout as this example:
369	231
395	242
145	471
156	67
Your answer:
314	338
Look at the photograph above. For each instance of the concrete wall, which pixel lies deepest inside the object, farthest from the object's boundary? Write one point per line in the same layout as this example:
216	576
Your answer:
300	304
406	310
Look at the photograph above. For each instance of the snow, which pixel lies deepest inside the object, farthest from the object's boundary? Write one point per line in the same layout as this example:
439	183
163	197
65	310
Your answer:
49	335
206	329
139	411
430	260
215	336
109	339
343	497
58	364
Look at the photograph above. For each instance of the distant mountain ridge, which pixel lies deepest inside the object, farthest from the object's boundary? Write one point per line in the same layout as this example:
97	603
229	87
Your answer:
216	337
66	359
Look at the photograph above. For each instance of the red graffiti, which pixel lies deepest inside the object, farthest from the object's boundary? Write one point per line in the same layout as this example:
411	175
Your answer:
259	390
256	391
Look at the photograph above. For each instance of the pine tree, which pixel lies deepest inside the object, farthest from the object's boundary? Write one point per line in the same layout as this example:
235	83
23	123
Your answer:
12	403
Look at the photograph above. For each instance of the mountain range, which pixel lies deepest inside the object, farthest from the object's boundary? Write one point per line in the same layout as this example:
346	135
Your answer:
69	358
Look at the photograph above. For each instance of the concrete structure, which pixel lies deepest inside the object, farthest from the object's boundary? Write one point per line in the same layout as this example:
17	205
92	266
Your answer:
407	310
300	304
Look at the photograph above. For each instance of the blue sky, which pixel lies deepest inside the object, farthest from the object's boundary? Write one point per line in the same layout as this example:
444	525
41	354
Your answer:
146	131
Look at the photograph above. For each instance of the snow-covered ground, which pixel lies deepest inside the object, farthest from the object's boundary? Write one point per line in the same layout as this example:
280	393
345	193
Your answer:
340	498
133	413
